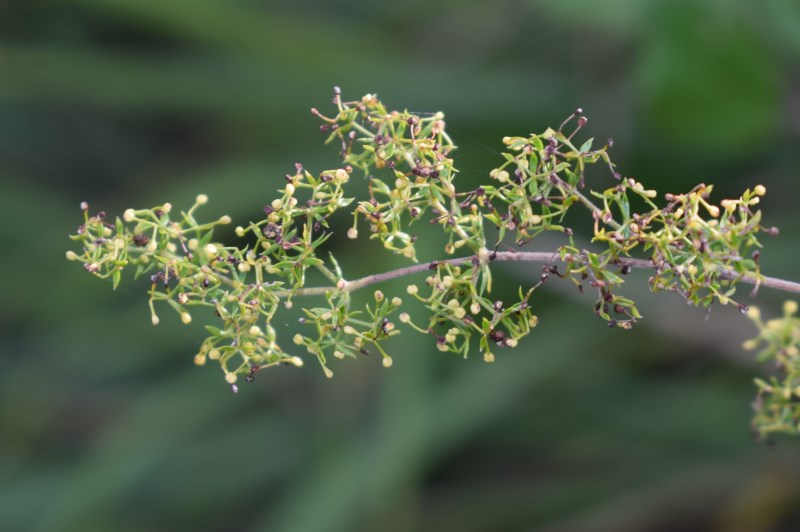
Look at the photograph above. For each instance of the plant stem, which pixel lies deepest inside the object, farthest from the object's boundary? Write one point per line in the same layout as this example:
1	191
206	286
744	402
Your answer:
589	204
523	256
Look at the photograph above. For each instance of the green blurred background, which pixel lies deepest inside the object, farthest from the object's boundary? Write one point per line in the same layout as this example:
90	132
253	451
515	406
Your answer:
105	423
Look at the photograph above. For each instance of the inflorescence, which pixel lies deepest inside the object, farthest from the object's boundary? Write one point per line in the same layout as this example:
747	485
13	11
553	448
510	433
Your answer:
695	248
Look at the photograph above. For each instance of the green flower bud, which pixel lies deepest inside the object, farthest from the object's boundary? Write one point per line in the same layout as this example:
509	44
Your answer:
749	345
341	176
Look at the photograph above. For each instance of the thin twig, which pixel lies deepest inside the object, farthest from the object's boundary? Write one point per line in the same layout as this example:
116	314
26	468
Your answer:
523	256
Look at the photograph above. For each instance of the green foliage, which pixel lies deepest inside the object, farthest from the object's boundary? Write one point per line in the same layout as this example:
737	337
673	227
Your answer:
777	405
695	248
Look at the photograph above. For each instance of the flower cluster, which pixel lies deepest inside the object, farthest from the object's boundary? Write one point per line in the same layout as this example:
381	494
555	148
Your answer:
412	152
695	248
777	405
